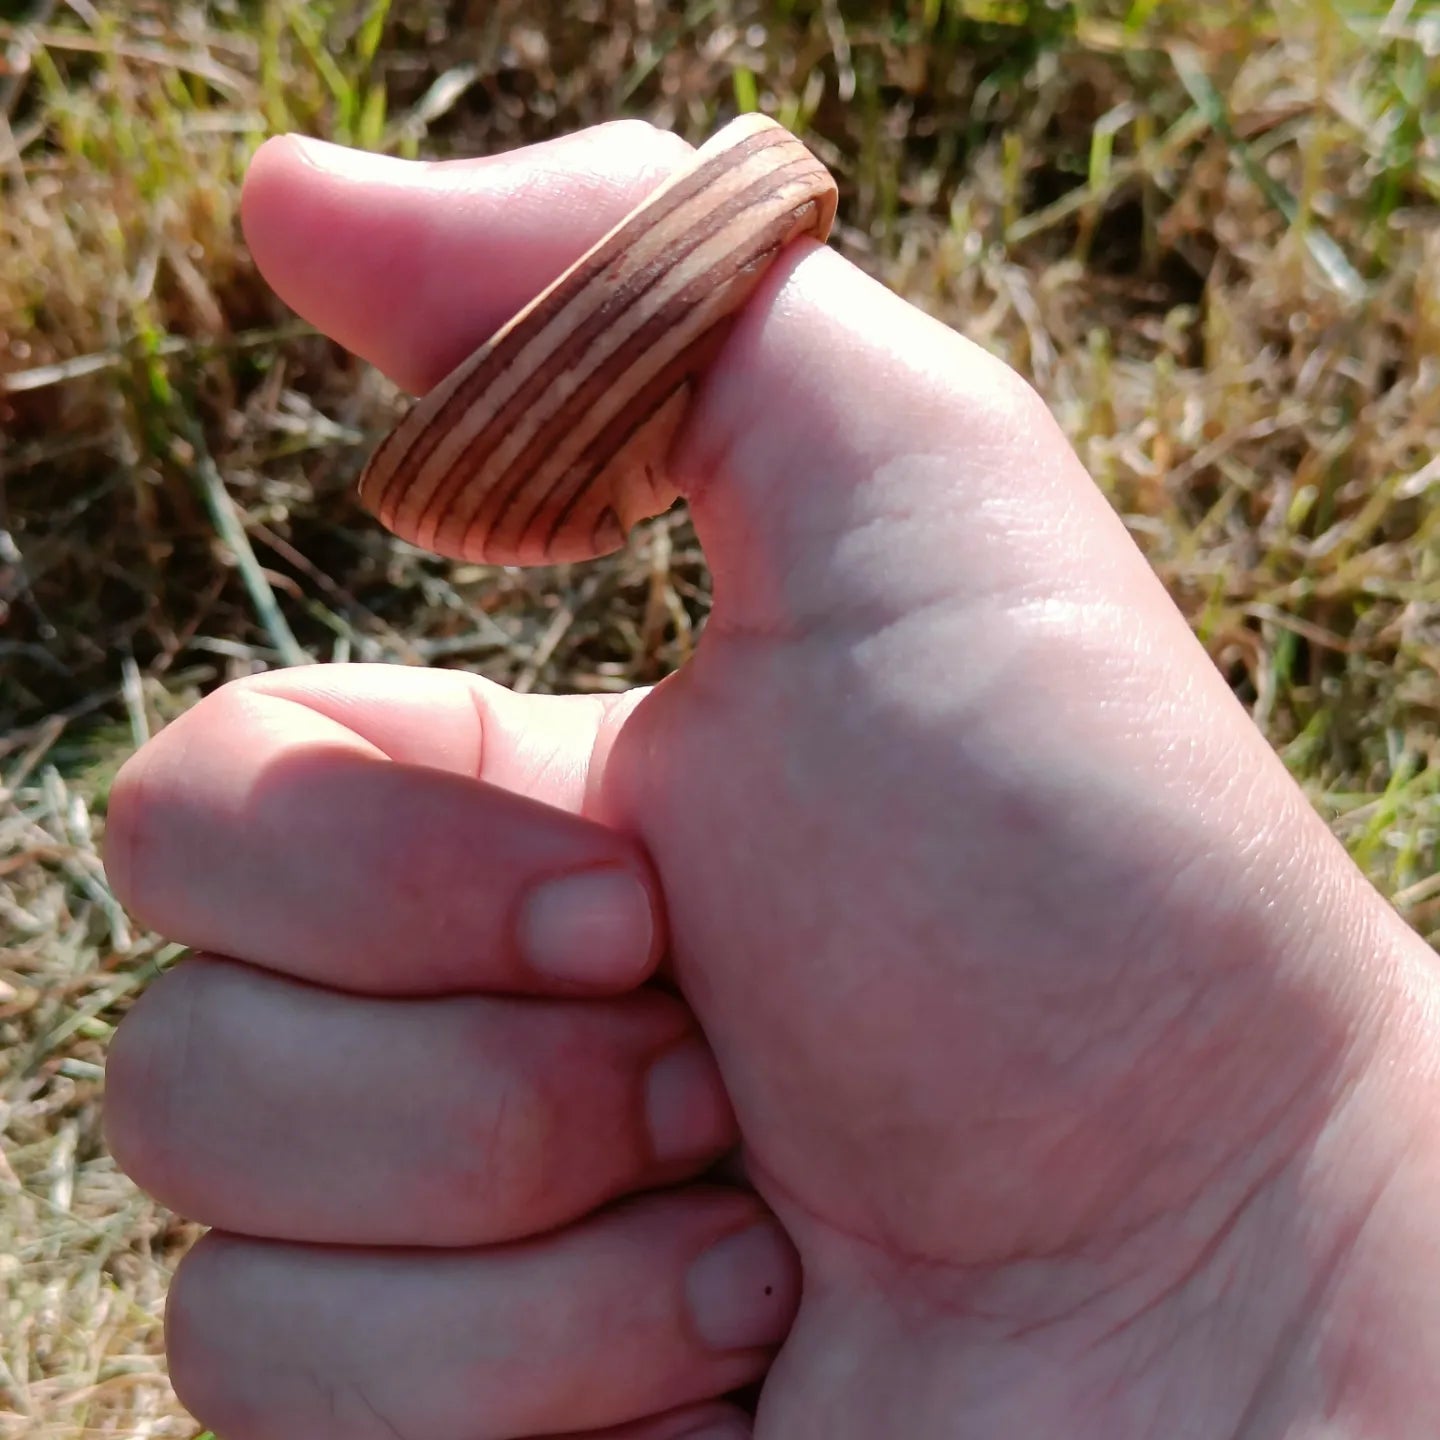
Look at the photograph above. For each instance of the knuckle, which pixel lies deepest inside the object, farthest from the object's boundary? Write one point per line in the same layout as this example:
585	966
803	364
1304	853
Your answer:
123	846
641	137
140	802
497	1166
542	1122
150	1083
201	1364
1002	396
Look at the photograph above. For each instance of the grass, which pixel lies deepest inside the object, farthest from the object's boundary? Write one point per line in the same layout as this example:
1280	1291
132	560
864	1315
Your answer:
1210	233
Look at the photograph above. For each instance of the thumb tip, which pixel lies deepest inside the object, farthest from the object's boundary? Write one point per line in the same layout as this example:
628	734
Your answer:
269	187
291	170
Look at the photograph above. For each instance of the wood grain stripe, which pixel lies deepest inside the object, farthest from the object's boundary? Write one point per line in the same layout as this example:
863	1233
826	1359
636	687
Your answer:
680	339
665	323
598	343
586	286
550	441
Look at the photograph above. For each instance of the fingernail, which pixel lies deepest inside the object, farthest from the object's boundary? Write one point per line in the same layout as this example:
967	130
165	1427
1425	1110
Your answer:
593	928
743	1292
686	1105
341	160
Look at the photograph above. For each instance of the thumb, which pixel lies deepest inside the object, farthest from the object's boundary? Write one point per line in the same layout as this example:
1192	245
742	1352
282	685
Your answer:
847	457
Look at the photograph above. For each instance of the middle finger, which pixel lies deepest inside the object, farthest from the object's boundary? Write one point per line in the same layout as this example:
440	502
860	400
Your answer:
273	1108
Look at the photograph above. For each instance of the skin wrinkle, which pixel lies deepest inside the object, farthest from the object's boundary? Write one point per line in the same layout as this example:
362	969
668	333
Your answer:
1199	859
1134	1321
1319	1079
483	722
611	719
1331	1277
890	1255
1029	650
833	622
496	1145
326	707
498	1128
1276	1375
1307	1309
361	1393
1139	1309
834	613
606	715
1013	669
331	1393
1207	1253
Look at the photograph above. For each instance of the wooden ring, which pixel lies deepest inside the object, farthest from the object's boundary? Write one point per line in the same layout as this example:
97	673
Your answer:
550	441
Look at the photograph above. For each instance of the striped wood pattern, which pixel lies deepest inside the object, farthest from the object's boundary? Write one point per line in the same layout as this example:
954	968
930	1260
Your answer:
550	441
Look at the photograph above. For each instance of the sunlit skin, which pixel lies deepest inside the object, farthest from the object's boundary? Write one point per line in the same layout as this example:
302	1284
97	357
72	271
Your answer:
1092	1088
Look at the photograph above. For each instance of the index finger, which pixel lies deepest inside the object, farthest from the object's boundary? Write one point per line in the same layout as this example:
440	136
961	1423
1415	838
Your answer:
388	830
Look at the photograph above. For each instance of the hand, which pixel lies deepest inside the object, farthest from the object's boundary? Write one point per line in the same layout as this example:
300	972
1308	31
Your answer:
397	864
1090	1080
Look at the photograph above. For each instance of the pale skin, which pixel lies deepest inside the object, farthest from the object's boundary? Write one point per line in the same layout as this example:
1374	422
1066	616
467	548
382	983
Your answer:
1085	1086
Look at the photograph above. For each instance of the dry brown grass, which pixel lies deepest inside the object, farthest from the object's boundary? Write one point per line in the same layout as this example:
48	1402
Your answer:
1208	231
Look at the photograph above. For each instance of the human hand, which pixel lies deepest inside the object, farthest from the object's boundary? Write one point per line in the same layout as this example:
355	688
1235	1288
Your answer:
420	1073
1088	1077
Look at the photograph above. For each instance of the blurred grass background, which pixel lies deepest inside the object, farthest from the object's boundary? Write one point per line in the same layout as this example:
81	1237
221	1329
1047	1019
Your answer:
1209	232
